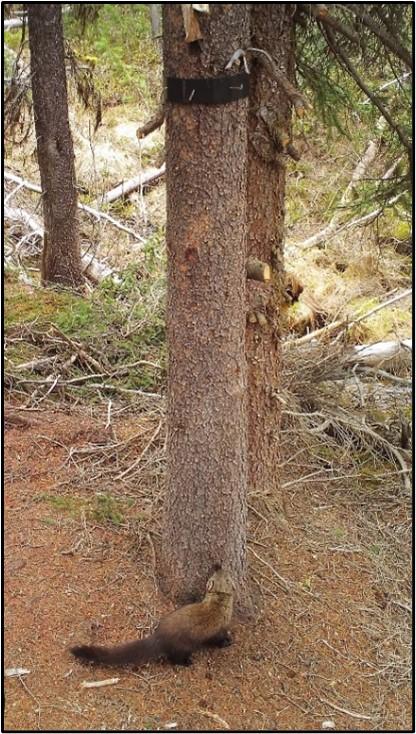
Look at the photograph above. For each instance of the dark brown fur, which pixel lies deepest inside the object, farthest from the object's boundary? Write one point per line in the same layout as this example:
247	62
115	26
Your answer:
178	634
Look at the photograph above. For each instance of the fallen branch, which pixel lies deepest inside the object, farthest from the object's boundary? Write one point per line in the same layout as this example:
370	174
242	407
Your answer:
94	269
382	353
21	216
35	365
359	171
111	220
345	324
398	80
9	176
15	672
335	227
376	372
126	187
11	23
371	216
73	382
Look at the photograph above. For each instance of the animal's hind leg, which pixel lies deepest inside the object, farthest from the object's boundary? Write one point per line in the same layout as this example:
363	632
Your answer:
222	639
179	657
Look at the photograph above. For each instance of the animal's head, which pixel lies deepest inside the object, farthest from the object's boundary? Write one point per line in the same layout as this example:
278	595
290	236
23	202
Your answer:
220	582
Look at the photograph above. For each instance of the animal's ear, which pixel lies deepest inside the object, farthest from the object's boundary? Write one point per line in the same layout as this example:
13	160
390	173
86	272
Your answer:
210	584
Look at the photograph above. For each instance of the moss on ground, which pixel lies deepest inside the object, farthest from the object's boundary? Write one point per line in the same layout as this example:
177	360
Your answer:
118	325
102	507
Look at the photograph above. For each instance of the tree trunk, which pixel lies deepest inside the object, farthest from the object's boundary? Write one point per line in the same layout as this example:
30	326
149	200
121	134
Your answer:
271	32
61	263
206	149
155	20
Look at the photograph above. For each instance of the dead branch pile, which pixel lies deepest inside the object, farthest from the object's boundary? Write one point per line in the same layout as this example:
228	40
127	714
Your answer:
363	413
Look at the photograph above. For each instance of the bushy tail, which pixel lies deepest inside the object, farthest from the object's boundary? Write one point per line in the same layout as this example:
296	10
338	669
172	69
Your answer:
137	652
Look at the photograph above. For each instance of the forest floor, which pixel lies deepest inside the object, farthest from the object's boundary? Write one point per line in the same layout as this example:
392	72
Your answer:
333	646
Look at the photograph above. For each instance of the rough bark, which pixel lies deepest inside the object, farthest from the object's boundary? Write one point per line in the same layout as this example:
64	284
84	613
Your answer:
61	262
206	148
271	28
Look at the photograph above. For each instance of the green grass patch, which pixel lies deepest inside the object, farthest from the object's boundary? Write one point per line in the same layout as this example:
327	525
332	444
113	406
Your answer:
383	325
24	306
102	507
118	45
119	324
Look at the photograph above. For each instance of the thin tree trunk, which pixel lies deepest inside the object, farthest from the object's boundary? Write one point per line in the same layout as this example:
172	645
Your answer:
61	263
206	148
155	20
272	32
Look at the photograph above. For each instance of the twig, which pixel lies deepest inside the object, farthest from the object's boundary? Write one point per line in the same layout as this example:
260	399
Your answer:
334	228
296	98
402	605
108	423
36	700
139	458
389	39
354	714
281	692
273	570
320	13
35	365
345	61
214	717
99	683
384	375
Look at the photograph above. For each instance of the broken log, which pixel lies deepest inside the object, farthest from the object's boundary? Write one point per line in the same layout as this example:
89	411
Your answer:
257	270
127	187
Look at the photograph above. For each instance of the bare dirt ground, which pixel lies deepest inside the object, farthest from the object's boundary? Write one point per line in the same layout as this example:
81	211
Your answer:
334	646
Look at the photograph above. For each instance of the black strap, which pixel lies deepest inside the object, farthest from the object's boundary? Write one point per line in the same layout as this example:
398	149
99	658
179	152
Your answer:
215	90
